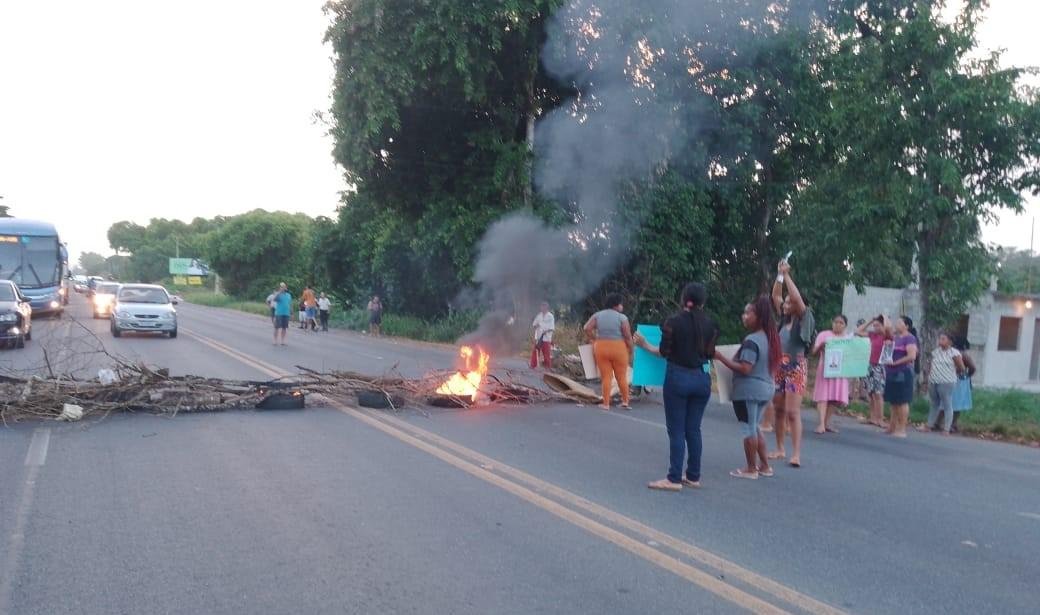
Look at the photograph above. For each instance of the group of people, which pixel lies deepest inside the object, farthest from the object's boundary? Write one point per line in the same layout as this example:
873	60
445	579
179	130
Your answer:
770	375
313	311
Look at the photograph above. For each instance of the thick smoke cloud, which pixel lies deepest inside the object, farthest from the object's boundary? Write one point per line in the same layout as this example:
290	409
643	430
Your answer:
630	62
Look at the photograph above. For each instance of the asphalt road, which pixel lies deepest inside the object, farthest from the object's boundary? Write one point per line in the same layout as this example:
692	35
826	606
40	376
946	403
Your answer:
490	510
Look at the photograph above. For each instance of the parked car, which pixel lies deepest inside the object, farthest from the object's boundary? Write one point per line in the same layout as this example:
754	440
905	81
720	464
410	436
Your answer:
15	314
145	308
104	298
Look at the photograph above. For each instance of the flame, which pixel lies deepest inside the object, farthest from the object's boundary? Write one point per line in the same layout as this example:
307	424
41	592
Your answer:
466	382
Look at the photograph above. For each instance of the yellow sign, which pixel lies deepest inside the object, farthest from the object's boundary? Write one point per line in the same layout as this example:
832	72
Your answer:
8	239
194	280
180	280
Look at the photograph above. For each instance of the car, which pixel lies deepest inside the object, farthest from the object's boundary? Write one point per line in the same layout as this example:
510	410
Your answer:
15	314
104	297
144	308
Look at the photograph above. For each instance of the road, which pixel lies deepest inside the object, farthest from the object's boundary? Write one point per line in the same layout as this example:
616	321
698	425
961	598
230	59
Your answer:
493	510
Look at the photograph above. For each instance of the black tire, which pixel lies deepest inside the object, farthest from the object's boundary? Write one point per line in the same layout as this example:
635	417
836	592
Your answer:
173	334
20	342
115	331
28	333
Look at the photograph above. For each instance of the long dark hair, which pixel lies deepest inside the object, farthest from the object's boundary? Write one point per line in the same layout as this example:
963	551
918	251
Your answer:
763	310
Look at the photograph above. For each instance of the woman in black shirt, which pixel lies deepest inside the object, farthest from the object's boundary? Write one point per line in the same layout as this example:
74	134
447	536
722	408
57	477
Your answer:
688	343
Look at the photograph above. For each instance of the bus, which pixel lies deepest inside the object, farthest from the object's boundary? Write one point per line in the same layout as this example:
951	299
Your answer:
33	257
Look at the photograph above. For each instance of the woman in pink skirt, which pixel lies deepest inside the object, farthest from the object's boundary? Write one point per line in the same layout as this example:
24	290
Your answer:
829	392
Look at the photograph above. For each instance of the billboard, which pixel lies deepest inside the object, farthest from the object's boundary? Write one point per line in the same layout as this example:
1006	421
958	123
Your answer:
188	266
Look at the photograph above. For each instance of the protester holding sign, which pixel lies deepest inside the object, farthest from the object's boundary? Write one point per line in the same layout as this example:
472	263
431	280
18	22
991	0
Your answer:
829	392
688	343
874	382
754	368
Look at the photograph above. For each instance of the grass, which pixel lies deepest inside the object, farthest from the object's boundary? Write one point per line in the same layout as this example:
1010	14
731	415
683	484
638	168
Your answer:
1005	414
209	298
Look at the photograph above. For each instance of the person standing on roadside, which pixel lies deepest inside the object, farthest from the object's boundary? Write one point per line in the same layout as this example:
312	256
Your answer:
687	342
947	366
282	310
754	382
874	383
375	315
900	376
310	309
543	325
270	303
829	392
962	394
324	305
796	327
611	337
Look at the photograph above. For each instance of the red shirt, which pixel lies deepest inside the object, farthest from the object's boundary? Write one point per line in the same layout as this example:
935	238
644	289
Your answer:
877	343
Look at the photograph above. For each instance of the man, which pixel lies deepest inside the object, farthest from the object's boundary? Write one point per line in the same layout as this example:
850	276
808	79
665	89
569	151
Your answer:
323	311
375	315
543	326
270	302
310	308
282	309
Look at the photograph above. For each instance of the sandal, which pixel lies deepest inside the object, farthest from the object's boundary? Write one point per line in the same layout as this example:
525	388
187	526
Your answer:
665	485
693	484
740	473
768	473
776	455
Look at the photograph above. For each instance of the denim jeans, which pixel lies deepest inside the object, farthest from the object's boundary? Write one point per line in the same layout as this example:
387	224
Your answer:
686	393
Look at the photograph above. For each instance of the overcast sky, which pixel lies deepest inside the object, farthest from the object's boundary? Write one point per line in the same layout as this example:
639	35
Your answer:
133	109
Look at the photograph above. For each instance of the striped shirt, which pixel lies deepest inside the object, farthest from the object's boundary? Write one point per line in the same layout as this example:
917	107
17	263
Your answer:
944	369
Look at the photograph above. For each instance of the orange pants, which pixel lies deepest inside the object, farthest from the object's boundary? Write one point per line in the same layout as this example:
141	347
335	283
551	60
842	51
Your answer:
612	359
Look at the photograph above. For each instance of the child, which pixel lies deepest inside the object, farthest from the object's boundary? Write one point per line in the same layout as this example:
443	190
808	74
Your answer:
753	386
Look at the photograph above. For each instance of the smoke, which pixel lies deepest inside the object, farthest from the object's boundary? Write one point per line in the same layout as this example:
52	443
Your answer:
632	65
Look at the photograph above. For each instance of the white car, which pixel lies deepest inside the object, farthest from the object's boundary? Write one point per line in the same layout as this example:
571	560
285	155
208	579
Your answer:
145	308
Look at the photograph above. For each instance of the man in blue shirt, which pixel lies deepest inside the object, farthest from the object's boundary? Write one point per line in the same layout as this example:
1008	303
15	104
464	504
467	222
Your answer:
282	308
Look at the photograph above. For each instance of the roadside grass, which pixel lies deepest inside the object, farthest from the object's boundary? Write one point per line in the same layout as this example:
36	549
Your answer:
1003	414
210	299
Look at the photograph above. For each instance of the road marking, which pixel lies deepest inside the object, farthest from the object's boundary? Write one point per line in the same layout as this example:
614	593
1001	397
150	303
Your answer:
1029	515
485	468
34	460
37	454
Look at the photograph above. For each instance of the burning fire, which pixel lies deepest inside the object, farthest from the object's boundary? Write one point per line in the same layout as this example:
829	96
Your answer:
466	382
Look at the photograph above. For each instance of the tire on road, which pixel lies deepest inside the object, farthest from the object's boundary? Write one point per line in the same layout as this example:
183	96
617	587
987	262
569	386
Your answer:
173	334
115	331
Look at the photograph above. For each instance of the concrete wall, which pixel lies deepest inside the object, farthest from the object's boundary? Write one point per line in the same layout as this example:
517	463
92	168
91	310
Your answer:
891	302
1003	367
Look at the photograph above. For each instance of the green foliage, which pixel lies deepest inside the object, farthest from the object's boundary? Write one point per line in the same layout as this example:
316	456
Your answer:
1018	271
256	251
150	247
92	263
210	299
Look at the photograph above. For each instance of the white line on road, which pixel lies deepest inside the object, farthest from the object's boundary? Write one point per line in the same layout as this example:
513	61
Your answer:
1028	515
37	454
34	460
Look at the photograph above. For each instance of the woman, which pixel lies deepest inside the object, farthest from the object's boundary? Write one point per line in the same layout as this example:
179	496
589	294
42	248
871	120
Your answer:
900	375
754	372
795	324
962	394
375	315
946	366
688	343
829	392
874	383
611	335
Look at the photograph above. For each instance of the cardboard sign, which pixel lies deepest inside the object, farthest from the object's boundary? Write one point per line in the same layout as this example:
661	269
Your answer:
723	375
846	358
648	369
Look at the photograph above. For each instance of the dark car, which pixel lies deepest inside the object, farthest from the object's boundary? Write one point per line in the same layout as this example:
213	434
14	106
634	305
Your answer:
15	314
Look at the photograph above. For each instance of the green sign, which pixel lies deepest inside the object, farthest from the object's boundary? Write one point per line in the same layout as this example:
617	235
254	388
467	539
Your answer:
846	358
188	266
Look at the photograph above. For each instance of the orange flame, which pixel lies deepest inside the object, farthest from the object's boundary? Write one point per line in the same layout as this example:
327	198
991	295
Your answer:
466	382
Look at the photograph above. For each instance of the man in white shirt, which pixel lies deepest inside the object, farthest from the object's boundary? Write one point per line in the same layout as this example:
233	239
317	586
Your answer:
543	326
324	305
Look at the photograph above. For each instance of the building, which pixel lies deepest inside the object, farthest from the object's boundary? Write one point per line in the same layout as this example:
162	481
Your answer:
1003	330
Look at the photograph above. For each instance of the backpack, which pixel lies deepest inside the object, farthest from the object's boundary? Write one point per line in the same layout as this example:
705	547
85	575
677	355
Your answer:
807	328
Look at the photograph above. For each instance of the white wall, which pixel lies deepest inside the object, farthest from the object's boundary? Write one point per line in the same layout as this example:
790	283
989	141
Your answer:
1006	368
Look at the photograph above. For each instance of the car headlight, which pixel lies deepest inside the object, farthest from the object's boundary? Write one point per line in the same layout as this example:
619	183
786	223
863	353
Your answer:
8	318
55	304
168	316
123	314
101	300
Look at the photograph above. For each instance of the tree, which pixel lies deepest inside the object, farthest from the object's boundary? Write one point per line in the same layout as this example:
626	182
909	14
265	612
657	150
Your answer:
92	263
255	251
950	137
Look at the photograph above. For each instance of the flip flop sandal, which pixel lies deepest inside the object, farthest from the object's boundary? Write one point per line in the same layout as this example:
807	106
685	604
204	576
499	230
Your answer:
766	473
665	485
740	473
693	484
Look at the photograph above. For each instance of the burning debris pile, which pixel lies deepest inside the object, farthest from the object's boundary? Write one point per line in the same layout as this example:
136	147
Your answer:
136	387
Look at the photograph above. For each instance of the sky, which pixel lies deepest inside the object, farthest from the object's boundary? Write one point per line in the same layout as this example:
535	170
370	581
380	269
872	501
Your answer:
134	109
